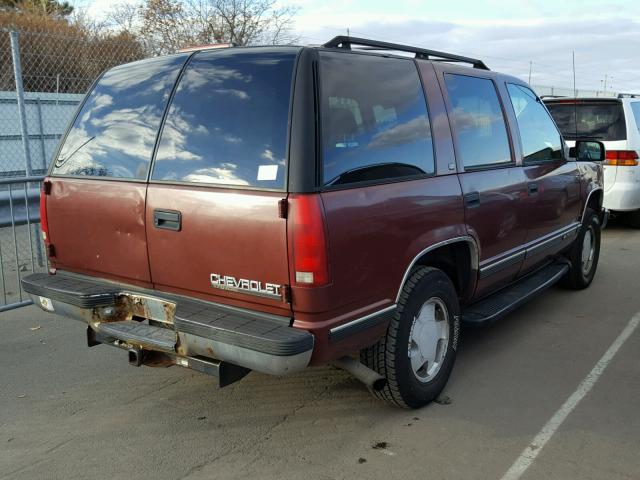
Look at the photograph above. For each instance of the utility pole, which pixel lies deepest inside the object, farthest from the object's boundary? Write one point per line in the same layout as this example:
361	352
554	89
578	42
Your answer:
530	65
573	61
604	89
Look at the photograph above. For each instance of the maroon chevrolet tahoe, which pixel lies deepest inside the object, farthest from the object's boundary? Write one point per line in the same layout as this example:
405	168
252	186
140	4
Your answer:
270	208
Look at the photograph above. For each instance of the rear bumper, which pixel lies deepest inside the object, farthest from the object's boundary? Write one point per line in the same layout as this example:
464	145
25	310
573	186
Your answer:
182	328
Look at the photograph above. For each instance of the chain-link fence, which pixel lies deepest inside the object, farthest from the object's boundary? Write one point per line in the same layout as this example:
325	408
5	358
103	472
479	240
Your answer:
43	78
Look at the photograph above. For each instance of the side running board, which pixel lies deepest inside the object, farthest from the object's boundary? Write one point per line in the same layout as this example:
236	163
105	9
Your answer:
506	300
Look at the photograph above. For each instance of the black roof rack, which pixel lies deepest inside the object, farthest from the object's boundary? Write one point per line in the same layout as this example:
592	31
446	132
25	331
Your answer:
343	41
629	95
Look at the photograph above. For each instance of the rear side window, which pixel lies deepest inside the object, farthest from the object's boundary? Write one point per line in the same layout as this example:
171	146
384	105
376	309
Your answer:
375	125
540	138
596	120
635	108
228	120
478	121
114	133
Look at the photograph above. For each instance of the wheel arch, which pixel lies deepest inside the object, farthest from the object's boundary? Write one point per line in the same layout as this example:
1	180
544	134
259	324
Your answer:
594	201
457	257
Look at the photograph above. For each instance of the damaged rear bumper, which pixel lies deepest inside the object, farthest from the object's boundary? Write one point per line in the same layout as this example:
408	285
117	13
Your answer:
156	327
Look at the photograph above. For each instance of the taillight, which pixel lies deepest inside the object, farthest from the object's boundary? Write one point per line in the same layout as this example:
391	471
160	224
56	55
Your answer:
621	158
44	226
310	255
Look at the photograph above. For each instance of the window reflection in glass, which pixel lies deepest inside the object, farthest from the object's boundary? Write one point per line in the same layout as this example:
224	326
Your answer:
228	121
114	134
478	121
539	135
375	124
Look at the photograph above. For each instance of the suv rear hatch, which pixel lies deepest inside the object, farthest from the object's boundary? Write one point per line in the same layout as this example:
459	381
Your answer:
202	217
95	202
597	119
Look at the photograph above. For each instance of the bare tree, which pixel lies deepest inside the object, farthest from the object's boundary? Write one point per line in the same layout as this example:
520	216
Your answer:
164	26
245	22
124	17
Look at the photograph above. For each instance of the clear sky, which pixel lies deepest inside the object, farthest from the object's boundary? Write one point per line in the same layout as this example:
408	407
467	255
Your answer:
507	35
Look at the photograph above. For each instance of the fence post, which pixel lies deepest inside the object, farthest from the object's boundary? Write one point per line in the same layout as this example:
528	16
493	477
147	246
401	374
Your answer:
17	72
41	128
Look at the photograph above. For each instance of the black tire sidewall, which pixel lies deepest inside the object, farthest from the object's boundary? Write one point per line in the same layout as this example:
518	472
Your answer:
580	279
414	392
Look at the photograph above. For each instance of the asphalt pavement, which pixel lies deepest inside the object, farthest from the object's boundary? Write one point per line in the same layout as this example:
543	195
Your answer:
72	412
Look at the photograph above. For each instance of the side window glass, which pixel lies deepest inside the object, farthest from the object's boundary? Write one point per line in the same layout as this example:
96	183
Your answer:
375	124
478	121
540	138
635	107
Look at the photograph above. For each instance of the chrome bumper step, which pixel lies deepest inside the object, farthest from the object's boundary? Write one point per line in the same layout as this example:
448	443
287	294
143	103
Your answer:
138	333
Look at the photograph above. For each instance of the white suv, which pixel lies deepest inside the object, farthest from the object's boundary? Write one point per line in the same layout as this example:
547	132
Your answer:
615	122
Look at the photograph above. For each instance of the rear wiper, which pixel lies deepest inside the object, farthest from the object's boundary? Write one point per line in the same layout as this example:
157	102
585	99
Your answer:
585	137
61	161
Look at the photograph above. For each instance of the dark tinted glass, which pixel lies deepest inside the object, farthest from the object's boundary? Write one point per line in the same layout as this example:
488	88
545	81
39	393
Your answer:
116	130
597	120
228	120
478	121
540	138
374	119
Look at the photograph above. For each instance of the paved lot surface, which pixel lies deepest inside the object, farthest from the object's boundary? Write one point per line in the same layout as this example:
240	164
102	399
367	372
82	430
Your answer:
70	412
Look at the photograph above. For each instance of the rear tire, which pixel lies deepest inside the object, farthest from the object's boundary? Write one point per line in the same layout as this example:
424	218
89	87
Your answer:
633	219
584	253
417	354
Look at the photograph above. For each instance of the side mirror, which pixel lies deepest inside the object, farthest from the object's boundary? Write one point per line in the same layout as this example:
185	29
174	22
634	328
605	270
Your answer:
588	151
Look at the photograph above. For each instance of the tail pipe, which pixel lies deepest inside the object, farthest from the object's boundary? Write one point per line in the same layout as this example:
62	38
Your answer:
370	378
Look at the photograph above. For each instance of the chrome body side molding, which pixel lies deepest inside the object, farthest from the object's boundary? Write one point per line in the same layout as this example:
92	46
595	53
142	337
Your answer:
475	256
359	324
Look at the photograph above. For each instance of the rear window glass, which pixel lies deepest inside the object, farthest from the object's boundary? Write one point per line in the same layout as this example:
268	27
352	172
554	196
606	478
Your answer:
478	121
114	133
228	121
598	120
374	119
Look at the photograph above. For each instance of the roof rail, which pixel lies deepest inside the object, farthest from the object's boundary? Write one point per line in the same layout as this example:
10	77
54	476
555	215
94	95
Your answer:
343	41
629	95
542	97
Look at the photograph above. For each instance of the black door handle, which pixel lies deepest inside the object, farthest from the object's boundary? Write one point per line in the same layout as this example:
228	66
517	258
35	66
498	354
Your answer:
167	219
533	189
472	200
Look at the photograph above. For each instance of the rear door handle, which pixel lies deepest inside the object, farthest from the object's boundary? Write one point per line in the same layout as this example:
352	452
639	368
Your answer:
167	219
472	200
533	189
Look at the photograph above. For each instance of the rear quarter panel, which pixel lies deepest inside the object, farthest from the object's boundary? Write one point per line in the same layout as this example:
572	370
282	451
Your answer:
591	179
374	234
